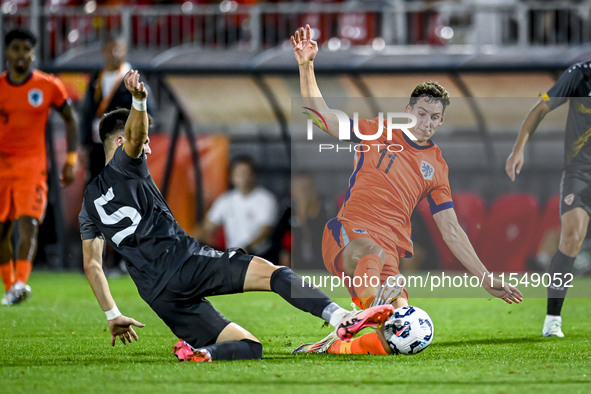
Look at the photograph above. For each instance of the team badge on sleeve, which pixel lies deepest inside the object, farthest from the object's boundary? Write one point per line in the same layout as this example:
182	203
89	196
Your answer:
35	97
427	170
568	200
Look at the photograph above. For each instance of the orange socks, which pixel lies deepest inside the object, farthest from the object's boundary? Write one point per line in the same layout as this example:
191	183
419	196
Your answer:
23	270
368	267
7	272
389	269
366	344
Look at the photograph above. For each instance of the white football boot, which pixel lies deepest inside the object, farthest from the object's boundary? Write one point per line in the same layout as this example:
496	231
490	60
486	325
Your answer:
553	327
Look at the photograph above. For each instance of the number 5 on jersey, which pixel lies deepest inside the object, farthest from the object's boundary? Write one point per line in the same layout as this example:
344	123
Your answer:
117	216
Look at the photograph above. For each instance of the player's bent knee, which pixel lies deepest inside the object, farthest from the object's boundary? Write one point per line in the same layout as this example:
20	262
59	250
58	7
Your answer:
233	332
360	247
258	275
357	249
571	242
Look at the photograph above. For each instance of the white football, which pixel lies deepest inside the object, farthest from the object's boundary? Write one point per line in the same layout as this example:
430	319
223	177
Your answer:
409	330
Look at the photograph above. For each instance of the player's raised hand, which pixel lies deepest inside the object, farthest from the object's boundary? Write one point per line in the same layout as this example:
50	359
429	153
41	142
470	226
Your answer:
133	84
502	290
514	164
121	327
304	48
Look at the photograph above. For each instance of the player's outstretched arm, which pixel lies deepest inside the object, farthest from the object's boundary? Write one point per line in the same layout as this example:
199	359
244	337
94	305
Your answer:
530	124
119	325
459	244
305	50
136	127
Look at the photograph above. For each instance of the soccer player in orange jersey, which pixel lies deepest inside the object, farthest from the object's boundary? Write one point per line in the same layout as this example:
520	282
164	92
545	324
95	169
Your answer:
26	98
372	230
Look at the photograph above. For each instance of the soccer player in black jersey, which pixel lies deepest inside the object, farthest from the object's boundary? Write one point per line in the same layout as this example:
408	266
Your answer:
172	271
574	85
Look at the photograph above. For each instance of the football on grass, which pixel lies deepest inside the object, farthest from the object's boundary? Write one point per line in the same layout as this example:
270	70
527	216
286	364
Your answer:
409	330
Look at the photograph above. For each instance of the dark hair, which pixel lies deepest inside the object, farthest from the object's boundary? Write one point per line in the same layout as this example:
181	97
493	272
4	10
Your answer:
114	122
243	159
432	91
19	33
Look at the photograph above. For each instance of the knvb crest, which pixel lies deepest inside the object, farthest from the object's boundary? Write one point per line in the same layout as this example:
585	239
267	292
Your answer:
427	170
35	97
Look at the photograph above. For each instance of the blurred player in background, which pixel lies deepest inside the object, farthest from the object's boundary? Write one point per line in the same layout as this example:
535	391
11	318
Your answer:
172	271
372	230
26	98
575	186
105	93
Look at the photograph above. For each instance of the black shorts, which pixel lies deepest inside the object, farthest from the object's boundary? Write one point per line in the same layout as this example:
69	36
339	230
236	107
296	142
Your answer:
575	191
182	305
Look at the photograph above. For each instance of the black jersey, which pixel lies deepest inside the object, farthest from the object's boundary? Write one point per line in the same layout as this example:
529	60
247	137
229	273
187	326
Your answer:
574	85
124	206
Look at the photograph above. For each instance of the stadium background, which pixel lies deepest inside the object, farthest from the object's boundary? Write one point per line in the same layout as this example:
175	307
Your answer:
224	78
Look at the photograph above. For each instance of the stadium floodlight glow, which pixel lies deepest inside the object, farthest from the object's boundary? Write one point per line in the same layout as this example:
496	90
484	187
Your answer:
90	7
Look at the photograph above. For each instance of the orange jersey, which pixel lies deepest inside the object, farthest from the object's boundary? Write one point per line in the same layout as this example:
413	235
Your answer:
390	178
24	110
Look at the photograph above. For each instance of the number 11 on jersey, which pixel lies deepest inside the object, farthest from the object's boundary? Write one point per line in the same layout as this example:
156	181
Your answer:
391	156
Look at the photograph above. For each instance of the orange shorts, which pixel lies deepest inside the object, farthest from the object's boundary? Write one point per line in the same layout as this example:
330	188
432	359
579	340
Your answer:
337	235
22	196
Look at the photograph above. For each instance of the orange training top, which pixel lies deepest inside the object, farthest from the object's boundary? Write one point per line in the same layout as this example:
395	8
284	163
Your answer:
390	178
24	110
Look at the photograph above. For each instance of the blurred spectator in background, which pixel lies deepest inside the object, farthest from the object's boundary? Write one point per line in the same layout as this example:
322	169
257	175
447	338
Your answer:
247	213
297	238
309	216
106	92
26	99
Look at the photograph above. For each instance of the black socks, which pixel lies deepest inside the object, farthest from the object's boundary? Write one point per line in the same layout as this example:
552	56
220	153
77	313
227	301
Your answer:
298	293
561	269
245	349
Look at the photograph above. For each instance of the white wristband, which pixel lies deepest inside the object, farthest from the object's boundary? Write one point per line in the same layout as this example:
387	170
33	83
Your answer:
112	313
139	105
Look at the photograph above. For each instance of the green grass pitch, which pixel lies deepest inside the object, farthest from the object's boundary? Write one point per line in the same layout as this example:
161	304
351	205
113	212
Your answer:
57	342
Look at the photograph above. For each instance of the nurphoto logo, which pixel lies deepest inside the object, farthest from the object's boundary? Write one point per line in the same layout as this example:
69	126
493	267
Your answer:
347	124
